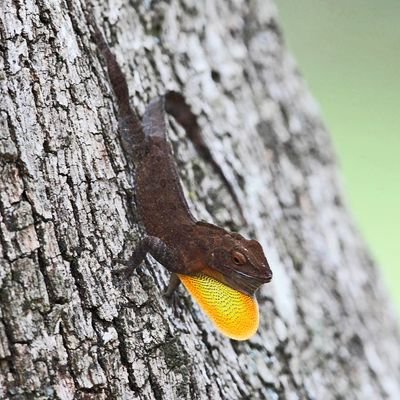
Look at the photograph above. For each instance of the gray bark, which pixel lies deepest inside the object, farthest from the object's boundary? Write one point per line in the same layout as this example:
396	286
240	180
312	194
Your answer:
68	329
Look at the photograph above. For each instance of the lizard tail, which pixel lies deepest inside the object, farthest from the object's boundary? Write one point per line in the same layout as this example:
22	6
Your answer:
131	131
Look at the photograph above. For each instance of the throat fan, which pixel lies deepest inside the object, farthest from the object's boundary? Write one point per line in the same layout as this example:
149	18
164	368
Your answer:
233	313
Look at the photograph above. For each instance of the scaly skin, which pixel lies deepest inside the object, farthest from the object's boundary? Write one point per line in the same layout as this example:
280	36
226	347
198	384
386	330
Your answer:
221	269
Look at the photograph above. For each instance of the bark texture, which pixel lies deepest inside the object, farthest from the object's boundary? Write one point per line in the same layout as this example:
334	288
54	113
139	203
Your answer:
68	329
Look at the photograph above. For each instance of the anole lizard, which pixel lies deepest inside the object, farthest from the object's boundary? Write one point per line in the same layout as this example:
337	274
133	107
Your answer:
221	269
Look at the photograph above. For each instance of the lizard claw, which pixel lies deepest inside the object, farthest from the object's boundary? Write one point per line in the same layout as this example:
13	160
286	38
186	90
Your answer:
170	294
126	271
122	261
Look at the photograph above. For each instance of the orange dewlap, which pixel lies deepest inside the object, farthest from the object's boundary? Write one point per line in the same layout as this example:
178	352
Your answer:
234	313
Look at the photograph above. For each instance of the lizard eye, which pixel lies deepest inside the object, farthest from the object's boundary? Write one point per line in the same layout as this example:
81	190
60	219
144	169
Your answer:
238	258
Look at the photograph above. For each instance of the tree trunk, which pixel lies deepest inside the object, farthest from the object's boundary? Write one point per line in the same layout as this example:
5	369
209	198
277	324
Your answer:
68	328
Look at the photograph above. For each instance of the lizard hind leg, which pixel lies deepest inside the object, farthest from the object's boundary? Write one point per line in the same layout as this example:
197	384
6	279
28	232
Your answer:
176	105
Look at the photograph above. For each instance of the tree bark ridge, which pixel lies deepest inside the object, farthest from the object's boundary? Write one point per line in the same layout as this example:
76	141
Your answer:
68	329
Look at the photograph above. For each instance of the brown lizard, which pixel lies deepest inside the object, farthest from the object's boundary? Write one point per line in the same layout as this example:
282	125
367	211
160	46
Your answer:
221	269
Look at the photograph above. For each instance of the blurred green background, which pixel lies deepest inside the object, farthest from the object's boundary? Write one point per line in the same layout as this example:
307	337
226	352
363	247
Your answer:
349	54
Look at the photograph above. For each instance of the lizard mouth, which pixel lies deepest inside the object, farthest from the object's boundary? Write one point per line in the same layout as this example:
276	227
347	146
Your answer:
245	283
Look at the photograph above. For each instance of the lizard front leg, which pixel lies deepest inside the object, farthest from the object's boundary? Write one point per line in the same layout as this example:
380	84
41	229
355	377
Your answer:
173	284
164	254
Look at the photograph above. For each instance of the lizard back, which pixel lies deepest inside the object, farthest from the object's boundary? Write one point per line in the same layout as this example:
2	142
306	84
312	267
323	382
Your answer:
162	204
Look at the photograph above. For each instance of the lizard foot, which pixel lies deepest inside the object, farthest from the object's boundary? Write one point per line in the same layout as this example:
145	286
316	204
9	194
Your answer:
125	271
170	294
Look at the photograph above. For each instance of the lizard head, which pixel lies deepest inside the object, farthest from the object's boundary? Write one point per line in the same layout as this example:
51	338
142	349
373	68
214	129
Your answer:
224	289
241	262
238	262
